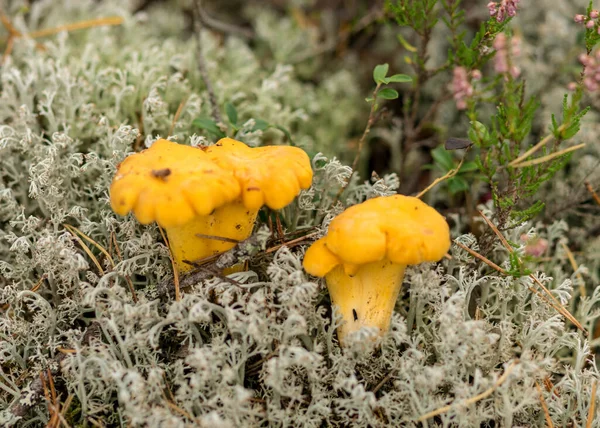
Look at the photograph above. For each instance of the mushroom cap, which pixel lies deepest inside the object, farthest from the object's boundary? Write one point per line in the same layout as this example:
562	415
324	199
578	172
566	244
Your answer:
270	175
170	183
403	229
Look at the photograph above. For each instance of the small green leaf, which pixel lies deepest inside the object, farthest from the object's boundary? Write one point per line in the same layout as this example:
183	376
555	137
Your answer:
399	78
468	167
370	99
405	44
443	158
209	125
457	185
260	125
388	94
478	133
231	113
379	73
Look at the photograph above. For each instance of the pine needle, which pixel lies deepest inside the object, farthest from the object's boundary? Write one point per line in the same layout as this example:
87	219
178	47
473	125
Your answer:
85	248
592	411
544	406
74	231
90	23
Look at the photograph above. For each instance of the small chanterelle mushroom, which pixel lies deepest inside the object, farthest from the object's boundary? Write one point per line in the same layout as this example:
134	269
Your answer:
201	194
365	252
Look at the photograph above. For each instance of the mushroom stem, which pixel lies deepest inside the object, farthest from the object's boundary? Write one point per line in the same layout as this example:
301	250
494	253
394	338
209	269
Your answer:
367	298
233	221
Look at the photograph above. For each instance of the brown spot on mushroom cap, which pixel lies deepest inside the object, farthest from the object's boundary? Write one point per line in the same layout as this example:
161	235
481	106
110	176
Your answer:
141	185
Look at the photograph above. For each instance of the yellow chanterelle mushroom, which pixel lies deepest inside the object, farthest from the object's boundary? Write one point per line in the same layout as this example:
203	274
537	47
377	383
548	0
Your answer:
365	252
213	191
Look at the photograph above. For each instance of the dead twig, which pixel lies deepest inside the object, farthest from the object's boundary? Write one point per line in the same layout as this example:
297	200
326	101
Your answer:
291	243
474	399
224	27
557	307
216	115
446	176
555	303
370	121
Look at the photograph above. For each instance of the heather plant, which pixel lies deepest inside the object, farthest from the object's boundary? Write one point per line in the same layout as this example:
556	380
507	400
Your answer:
503	331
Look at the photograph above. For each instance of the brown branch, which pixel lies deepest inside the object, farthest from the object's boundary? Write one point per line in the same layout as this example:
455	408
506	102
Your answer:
212	99
556	304
372	119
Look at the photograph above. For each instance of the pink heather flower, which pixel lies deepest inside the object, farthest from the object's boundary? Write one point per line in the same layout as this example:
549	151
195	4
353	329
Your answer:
591	71
534	246
504	54
594	14
476	74
572	86
461	87
580	19
590	24
503	8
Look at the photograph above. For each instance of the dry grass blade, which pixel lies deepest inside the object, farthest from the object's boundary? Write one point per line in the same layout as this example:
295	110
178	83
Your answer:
99	22
544	406
74	230
575	267
535	148
547	158
592	411
38	284
177	114
437	181
555	303
175	270
474	399
590	189
86	249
